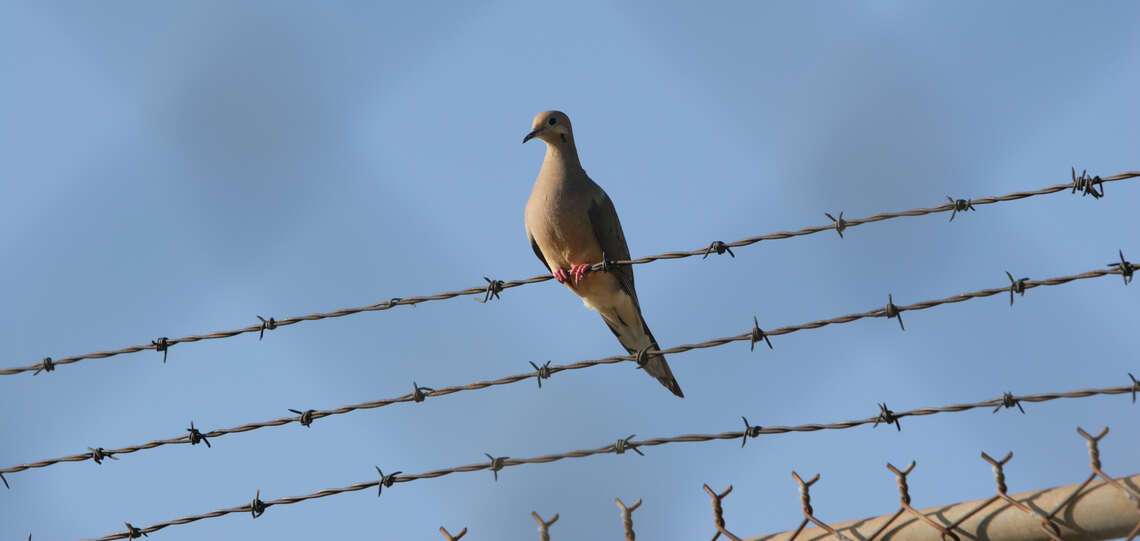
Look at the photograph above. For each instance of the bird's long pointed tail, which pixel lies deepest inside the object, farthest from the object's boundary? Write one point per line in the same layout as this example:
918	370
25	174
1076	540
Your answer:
634	340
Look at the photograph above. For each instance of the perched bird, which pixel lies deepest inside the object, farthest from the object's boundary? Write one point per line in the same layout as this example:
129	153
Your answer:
571	224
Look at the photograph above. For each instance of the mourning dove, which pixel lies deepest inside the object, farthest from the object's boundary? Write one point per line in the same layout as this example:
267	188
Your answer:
571	224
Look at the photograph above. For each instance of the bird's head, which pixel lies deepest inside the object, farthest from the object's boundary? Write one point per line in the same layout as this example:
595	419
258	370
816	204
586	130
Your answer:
552	127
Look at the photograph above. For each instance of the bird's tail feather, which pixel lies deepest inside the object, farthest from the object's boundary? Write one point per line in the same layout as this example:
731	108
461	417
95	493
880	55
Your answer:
634	340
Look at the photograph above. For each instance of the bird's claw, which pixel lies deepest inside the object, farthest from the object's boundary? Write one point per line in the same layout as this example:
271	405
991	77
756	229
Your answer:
579	271
560	275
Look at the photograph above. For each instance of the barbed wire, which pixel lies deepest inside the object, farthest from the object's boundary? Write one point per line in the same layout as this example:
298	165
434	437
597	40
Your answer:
420	393
1084	184
497	464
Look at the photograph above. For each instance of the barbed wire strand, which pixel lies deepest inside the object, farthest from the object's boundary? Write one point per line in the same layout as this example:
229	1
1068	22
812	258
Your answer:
420	393
496	464
1084	183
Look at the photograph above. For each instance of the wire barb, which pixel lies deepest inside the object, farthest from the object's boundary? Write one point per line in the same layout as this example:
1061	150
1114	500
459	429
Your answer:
450	537
1124	266
959	205
305	417
643	355
196	436
544	525
720	248
385	480
98	454
1015	286
886	416
1086	184
623	444
1135	386
134	533
749	431
606	265
266	325
163	344
47	366
892	311
418	393
758	334
257	507
627	518
718	512
840	223
541	372
494	287
1009	401
496	464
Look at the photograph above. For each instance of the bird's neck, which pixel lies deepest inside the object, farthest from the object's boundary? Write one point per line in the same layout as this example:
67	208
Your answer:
562	157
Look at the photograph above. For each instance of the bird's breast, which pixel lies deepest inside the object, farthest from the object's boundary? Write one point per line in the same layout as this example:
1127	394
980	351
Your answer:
560	224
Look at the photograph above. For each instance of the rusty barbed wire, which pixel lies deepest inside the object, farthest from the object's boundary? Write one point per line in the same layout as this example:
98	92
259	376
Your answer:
938	520
492	288
495	464
419	393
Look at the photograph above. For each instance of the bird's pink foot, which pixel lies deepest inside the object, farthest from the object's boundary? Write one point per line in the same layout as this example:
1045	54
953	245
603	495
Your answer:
579	271
560	275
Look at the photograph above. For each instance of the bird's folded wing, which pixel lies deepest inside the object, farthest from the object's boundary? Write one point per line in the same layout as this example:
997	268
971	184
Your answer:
607	230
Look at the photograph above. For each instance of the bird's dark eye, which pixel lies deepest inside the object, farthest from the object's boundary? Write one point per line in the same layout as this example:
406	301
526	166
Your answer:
552	121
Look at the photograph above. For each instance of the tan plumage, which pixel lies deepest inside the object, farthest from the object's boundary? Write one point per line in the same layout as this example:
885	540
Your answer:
570	222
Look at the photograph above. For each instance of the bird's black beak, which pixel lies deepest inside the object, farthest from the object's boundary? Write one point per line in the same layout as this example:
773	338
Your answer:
533	134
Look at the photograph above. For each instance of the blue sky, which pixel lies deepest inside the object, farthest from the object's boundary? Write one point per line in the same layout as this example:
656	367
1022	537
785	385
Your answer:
180	168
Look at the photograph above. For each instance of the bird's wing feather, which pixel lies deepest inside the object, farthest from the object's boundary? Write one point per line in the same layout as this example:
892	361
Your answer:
608	232
538	251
